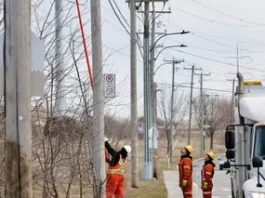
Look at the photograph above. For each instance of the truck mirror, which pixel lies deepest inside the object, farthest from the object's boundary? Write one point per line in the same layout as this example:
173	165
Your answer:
230	154
257	162
227	165
229	140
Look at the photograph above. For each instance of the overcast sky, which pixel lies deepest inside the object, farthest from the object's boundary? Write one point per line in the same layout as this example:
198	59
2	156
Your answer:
216	27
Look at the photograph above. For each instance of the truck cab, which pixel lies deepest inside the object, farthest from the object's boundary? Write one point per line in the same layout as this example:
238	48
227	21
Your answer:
245	140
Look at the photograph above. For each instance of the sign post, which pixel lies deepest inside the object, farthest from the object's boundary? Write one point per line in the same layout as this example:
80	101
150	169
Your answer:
109	85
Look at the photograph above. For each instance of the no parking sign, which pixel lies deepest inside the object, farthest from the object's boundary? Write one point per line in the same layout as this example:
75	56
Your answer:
109	85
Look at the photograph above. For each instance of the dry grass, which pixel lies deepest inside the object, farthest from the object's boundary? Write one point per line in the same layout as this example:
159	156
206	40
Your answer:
154	188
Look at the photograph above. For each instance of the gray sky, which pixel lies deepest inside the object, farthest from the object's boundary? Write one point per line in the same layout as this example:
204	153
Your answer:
216	27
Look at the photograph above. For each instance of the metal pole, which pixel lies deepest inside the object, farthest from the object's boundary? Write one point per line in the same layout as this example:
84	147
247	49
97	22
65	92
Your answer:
134	142
233	102
147	170
201	112
17	66
152	97
98	102
171	112
191	95
59	70
204	121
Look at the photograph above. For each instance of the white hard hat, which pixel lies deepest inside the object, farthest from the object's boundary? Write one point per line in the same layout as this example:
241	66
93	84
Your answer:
128	148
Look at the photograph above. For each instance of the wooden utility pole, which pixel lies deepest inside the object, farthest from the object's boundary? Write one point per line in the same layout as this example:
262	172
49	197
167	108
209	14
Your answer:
17	63
191	95
201	112
98	102
134	139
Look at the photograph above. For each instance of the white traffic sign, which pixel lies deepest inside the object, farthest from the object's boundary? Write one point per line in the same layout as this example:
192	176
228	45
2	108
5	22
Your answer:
37	53
37	66
109	85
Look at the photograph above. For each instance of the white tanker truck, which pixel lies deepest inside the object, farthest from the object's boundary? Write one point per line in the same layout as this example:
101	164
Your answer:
245	141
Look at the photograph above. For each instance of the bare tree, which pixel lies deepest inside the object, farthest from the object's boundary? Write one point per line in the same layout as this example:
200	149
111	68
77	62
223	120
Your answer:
215	110
180	108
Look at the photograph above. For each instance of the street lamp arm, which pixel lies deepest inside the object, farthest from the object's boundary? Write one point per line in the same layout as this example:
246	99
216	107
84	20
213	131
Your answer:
168	34
160	66
171	46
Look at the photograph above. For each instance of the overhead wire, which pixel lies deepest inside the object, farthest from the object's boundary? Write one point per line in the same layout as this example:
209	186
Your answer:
218	61
207	89
227	15
125	28
197	33
210	20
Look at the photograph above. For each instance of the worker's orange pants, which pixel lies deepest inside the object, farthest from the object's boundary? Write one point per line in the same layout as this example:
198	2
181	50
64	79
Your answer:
207	194
187	192
114	186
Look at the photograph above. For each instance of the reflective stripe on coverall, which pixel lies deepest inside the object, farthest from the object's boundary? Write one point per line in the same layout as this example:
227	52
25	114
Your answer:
185	173
115	180
207	174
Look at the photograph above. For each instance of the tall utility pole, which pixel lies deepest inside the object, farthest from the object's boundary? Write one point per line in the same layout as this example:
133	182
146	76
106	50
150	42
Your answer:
98	110
134	143
59	70
191	95
148	90
170	145
201	111
17	66
147	170
232	99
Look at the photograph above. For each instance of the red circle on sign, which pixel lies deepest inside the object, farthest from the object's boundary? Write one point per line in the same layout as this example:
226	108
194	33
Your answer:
109	78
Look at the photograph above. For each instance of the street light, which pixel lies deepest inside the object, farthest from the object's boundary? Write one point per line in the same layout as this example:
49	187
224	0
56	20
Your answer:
160	66
168	34
171	46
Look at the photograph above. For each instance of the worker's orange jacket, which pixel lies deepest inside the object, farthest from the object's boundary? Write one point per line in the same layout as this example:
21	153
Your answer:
207	174
185	171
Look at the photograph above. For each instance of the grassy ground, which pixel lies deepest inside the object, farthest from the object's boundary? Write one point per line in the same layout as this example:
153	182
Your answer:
154	188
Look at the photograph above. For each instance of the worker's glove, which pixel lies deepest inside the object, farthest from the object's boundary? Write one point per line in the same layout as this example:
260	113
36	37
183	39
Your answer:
184	183
205	185
106	139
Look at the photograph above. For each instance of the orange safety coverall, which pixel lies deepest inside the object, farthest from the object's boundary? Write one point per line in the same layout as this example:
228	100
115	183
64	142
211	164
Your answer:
207	174
185	173
115	180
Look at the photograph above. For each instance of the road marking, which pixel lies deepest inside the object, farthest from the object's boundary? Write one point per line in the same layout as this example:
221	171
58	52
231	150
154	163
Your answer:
215	197
226	189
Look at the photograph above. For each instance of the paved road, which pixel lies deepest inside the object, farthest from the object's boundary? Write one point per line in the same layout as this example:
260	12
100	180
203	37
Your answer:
221	182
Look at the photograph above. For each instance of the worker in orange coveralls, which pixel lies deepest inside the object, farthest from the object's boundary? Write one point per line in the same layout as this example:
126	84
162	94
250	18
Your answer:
207	175
115	175
185	171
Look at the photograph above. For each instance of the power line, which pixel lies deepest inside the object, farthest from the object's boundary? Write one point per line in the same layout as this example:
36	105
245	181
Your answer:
200	35
125	28
210	20
188	87
218	61
227	15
